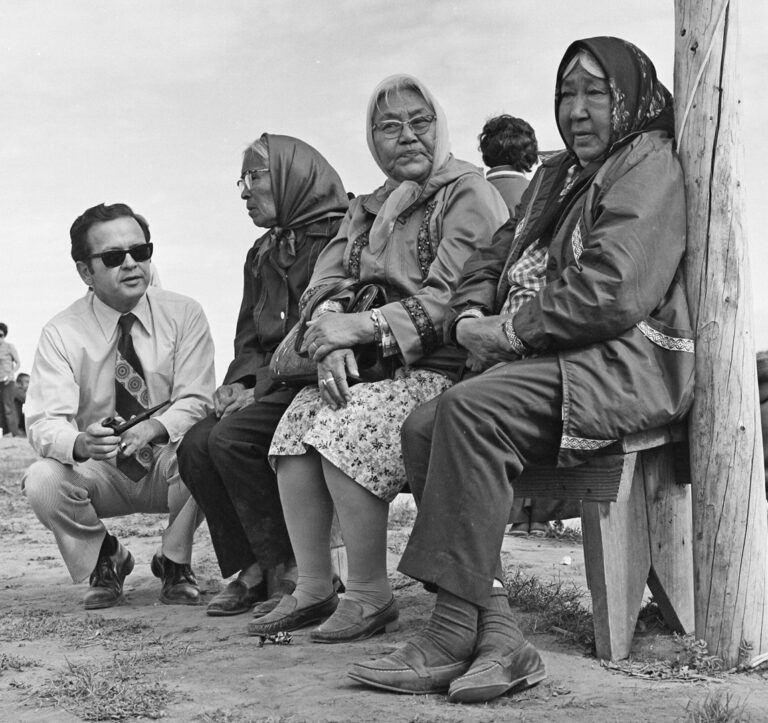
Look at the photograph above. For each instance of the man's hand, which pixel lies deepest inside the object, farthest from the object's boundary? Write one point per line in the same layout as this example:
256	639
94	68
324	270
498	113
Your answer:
96	442
144	433
336	331
332	374
485	341
229	398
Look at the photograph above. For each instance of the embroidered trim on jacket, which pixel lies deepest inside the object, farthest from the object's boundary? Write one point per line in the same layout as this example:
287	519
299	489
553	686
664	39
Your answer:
576	243
424	327
353	265
583	443
673	343
424	247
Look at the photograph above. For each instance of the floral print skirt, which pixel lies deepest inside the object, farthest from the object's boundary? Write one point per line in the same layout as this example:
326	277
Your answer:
363	438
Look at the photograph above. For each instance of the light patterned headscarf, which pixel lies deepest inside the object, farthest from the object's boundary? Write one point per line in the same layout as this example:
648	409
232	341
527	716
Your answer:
403	194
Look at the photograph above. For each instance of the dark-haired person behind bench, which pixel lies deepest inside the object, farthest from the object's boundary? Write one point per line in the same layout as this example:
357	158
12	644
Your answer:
120	350
577	317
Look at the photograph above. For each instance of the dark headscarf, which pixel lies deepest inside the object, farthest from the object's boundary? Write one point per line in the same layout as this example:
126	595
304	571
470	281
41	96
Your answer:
306	189
305	186
639	101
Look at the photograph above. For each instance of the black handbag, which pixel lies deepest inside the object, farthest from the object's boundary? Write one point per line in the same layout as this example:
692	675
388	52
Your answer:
291	367
288	366
371	365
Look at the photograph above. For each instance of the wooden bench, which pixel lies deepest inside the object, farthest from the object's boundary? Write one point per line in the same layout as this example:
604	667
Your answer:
636	527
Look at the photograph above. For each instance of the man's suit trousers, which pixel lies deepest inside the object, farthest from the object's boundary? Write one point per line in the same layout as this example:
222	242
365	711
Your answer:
70	501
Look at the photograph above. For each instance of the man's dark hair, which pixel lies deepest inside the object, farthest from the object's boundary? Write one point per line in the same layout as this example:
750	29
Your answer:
508	141
4	328
78	233
20	376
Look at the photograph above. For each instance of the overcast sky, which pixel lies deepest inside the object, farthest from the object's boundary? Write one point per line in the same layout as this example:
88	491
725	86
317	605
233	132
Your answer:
151	103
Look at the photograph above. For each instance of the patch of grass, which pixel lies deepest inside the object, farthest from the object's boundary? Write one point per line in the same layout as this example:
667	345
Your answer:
556	605
37	624
692	664
15	663
402	512
695	655
124	688
717	707
559	531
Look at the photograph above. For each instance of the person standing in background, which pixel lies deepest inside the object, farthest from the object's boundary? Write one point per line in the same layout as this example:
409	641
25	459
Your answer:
9	363
509	149
19	397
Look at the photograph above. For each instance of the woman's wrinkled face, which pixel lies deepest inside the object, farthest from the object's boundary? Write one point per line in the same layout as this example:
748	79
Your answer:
407	156
584	114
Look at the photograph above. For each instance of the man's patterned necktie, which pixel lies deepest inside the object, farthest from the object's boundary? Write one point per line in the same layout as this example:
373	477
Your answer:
131	396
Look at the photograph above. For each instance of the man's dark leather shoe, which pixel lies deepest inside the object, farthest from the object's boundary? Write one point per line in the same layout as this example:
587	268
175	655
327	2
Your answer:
107	579
179	582
287	616
236	598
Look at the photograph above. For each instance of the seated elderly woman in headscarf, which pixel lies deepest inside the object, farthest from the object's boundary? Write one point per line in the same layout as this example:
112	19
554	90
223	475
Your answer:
577	317
288	187
339	445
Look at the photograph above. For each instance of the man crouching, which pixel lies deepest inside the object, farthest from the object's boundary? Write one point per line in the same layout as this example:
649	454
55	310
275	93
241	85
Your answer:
115	353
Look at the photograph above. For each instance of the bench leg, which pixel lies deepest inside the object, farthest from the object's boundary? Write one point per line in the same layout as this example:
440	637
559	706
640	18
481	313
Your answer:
617	561
670	527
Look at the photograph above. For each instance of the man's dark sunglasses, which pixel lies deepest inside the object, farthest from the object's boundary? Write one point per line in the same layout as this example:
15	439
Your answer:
111	259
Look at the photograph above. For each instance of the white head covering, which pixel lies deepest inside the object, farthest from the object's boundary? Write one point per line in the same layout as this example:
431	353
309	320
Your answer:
402	194
587	61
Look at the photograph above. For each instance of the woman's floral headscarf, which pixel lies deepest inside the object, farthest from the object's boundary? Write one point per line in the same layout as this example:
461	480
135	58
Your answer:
639	101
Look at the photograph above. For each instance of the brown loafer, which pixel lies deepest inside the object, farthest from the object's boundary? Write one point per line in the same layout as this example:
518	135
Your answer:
406	671
106	581
236	598
493	675
349	623
179	582
287	616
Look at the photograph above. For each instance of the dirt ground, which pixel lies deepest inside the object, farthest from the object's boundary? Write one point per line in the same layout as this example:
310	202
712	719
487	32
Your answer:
145	660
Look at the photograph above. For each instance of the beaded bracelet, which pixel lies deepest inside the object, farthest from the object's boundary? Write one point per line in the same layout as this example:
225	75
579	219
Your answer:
515	342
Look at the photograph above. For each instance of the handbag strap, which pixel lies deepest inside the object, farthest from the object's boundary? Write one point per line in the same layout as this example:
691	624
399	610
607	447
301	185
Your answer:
322	295
326	293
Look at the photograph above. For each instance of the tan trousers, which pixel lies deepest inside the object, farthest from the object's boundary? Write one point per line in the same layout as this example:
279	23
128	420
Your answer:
70	502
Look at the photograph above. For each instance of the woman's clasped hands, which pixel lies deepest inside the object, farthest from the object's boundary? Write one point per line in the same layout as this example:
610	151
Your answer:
330	340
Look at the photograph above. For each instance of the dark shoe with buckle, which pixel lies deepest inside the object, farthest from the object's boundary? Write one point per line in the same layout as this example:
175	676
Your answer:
492	675
179	582
286	588
349	623
409	670
236	598
107	579
287	616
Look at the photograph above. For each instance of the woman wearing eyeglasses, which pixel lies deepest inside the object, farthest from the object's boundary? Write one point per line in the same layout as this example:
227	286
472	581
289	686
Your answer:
338	445
289	188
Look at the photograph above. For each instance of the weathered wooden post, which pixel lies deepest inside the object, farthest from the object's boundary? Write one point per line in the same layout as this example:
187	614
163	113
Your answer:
729	507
